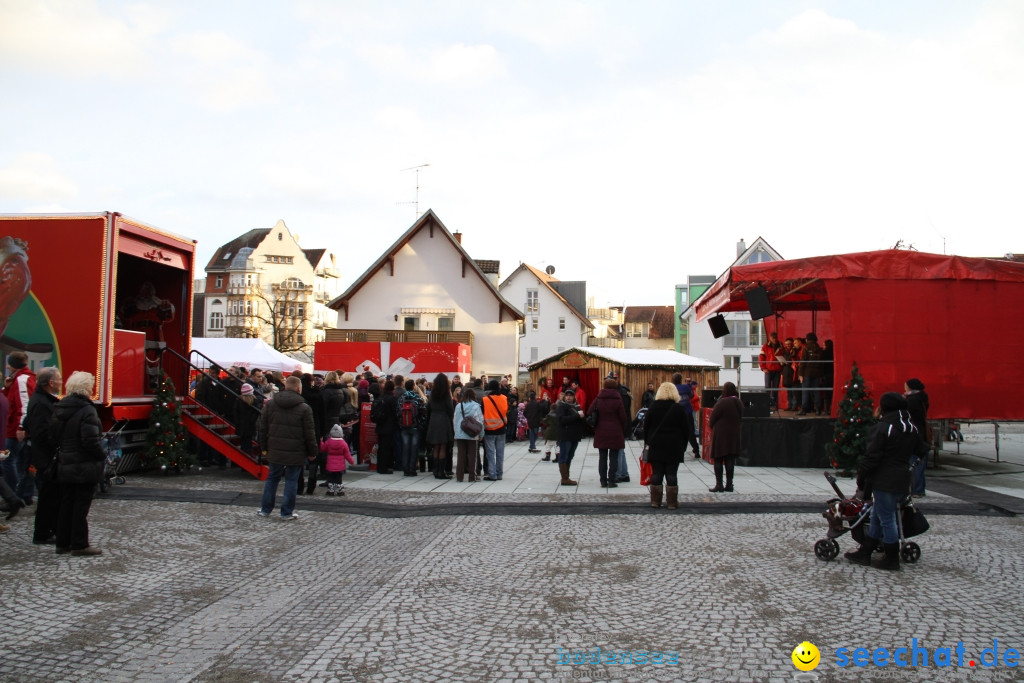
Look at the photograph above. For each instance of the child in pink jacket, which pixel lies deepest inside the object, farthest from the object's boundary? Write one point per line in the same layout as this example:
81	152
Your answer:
339	457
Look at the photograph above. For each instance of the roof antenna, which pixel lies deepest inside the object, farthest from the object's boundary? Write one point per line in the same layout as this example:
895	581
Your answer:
417	202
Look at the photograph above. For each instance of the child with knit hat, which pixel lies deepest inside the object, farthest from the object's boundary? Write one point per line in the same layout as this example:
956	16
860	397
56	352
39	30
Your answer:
339	457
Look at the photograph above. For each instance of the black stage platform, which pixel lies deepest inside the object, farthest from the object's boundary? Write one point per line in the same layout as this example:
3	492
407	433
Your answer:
786	441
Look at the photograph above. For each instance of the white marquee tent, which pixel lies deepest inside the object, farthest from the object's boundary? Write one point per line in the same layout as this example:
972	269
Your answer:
247	353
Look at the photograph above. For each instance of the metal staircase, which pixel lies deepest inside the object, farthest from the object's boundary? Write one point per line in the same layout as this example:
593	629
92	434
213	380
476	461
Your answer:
203	422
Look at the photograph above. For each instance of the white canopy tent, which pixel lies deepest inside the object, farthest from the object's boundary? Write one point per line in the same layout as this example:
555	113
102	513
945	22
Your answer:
246	353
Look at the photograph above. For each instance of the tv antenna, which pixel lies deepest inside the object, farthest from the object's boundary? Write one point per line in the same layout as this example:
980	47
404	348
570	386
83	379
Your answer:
417	202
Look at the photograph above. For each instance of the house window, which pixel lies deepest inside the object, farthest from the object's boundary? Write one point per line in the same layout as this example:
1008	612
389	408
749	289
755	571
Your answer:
757	337
638	330
411	322
219	282
248	308
561	323
446	324
536	323
532	302
216	321
300	310
534	354
731	362
300	336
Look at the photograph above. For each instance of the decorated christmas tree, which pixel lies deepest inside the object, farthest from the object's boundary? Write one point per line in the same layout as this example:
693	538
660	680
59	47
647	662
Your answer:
856	415
165	437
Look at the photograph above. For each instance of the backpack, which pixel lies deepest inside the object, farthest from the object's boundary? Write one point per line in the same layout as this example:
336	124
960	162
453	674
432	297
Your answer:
408	413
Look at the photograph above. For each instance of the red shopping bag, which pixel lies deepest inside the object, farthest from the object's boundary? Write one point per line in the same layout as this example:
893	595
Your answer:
645	473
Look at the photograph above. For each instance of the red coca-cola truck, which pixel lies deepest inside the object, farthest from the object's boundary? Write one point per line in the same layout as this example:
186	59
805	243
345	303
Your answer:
98	292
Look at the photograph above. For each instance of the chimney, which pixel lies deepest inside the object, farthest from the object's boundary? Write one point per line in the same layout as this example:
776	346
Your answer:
458	236
741	247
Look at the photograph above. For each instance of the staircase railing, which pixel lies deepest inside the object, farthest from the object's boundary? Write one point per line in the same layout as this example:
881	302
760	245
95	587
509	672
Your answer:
180	370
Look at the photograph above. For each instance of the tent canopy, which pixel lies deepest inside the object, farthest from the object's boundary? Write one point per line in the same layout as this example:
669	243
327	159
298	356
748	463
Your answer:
246	353
950	321
801	284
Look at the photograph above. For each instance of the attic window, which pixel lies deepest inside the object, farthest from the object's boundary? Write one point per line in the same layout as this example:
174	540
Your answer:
227	256
280	237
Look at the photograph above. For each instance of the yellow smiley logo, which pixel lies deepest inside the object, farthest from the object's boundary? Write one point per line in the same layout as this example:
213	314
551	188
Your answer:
806	656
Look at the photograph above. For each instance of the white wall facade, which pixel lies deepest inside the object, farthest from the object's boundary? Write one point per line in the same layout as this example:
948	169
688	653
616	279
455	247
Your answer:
428	274
551	314
704	345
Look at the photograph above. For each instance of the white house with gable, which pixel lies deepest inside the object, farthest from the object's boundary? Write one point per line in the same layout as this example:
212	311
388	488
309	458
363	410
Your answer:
554	313
737	350
427	288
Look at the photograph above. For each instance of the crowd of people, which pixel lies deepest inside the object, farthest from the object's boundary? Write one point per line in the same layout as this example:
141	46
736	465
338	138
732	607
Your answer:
798	373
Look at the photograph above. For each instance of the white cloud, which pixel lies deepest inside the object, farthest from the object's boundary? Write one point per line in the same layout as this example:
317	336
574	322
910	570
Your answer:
225	73
35	177
74	37
463	65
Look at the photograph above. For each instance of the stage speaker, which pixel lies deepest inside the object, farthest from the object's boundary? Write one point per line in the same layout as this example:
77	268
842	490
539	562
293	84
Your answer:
709	396
758	303
719	327
756	404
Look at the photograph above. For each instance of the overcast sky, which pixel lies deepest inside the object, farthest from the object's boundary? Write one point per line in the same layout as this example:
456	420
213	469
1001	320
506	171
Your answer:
628	144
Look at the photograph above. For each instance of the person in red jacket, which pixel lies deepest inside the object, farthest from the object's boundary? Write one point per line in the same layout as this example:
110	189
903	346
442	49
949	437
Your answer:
768	361
19	386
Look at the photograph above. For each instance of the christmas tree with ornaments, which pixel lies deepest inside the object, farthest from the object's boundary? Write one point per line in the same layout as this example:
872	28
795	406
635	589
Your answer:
165	436
856	415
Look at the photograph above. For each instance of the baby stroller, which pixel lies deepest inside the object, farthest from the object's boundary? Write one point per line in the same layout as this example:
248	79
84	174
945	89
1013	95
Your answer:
111	443
854	514
636	430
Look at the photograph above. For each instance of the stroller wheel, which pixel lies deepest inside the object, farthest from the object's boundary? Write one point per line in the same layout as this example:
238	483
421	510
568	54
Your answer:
910	552
826	549
119	480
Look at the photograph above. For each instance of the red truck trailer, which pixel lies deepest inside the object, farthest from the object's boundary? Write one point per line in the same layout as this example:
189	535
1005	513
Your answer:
109	295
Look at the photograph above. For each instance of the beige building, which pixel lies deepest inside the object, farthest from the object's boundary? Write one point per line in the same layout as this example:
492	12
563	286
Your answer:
263	284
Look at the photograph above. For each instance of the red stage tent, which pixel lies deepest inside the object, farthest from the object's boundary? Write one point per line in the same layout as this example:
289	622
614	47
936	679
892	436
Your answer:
953	322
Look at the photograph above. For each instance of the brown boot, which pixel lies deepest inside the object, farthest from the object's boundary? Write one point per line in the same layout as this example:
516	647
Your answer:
655	496
564	469
672	496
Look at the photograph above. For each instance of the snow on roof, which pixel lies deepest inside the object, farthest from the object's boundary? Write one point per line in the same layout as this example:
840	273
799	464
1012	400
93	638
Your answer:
637	357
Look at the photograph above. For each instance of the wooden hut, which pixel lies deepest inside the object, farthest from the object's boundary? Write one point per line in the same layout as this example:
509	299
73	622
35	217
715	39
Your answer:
635	368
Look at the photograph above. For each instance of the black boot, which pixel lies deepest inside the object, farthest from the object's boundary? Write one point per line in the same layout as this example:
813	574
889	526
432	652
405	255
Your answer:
862	555
729	468
439	472
891	561
718	478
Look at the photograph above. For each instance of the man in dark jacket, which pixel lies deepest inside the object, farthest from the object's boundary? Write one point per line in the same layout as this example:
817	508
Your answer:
536	410
384	414
893	443
42	449
287	437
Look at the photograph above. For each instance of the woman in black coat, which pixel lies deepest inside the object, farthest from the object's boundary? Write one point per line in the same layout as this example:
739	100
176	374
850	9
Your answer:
726	441
667	429
440	423
76	427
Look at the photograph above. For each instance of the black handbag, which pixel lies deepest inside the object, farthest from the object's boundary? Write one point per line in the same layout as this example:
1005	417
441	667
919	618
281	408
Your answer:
914	522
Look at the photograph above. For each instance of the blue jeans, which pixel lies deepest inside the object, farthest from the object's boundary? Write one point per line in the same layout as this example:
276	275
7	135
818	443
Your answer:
622	471
533	437
566	449
883	517
494	455
919	475
21	456
410	448
291	486
10	467
812	397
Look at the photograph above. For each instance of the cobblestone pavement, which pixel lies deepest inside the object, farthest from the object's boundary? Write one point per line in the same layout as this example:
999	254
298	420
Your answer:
201	592
207	591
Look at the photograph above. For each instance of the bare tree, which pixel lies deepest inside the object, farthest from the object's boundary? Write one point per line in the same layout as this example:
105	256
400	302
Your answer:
285	310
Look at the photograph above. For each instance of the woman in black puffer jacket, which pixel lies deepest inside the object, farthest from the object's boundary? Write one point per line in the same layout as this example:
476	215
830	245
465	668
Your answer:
76	427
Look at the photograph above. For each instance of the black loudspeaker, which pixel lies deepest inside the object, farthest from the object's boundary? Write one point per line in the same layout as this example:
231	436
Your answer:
756	404
758	303
708	397
719	327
